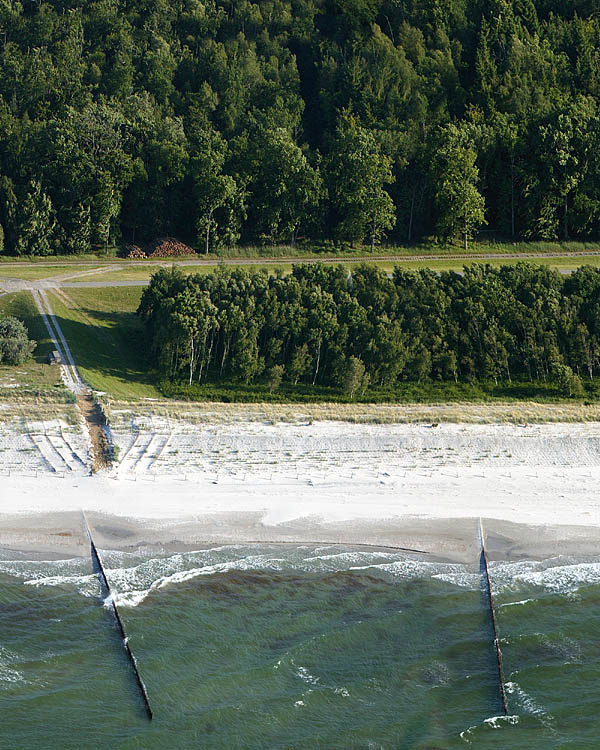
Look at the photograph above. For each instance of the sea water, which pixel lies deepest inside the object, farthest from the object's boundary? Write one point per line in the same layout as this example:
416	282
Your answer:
295	646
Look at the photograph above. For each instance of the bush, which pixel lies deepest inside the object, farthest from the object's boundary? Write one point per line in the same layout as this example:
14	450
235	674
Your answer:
15	345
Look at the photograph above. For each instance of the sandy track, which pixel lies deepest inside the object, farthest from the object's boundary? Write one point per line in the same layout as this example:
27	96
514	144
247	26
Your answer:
91	411
71	376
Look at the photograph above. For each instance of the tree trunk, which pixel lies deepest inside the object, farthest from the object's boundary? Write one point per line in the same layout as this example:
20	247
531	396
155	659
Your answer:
210	348
512	194
191	359
412	213
318	362
566	227
225	352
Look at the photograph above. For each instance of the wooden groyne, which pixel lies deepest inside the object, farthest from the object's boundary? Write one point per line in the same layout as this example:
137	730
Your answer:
108	597
490	598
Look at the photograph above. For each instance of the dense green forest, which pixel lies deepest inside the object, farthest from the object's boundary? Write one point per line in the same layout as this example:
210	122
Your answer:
326	326
226	121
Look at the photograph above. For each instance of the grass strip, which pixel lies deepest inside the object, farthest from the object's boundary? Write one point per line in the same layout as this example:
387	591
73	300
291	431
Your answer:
106	339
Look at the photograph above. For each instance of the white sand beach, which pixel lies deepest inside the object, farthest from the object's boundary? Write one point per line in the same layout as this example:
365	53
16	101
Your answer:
412	485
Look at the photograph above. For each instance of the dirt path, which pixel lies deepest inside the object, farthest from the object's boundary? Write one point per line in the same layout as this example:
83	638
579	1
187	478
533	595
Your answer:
65	279
92	412
96	422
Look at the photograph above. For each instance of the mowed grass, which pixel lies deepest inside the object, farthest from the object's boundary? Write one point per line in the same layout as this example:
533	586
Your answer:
143	274
106	339
36	272
35	377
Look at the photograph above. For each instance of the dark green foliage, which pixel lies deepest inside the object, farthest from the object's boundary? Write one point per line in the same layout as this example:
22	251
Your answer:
15	346
284	120
322	326
35	230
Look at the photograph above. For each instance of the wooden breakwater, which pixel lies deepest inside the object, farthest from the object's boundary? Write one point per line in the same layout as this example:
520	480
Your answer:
490	598
108	597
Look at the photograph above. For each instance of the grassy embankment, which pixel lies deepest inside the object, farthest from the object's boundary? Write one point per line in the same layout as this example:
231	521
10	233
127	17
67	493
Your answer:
35	271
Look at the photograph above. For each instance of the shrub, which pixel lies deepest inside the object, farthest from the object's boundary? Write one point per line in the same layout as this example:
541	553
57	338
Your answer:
15	345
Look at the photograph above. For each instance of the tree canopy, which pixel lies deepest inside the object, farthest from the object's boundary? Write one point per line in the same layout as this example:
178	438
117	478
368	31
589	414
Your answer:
15	345
225	121
326	325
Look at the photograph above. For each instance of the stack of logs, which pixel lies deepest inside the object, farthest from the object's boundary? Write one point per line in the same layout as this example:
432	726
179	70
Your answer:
163	247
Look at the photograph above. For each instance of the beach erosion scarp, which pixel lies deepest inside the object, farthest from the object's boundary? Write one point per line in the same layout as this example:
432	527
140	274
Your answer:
184	484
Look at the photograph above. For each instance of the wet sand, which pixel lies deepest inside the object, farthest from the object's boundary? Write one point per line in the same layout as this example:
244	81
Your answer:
56	535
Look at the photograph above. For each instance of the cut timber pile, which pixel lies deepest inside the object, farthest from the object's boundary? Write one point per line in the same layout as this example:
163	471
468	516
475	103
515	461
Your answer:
135	252
167	247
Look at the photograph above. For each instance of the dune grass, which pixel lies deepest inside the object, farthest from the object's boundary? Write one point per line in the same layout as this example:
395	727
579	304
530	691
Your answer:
524	412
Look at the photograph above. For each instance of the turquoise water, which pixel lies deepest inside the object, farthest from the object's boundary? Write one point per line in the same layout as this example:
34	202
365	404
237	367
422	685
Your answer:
299	647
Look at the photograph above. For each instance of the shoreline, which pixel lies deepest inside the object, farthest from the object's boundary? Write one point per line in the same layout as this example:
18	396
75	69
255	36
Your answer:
60	535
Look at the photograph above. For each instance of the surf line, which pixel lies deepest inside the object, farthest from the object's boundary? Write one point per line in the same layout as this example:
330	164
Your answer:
99	569
490	598
325	543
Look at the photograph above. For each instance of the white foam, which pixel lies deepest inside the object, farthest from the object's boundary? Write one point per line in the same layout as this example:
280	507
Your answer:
492	722
342	691
454	573
515	604
8	675
559	575
529	704
496	722
85	585
306	676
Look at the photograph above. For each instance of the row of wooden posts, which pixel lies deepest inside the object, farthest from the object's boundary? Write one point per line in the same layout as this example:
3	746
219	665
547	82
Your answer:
108	597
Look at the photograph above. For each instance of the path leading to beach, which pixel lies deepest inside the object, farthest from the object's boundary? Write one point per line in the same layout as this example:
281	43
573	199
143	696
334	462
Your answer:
91	410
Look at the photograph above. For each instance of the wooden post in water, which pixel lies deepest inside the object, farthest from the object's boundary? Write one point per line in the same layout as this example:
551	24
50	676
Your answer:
99	569
490	598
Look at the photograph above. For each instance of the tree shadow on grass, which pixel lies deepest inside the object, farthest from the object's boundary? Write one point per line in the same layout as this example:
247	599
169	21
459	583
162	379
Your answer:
119	351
